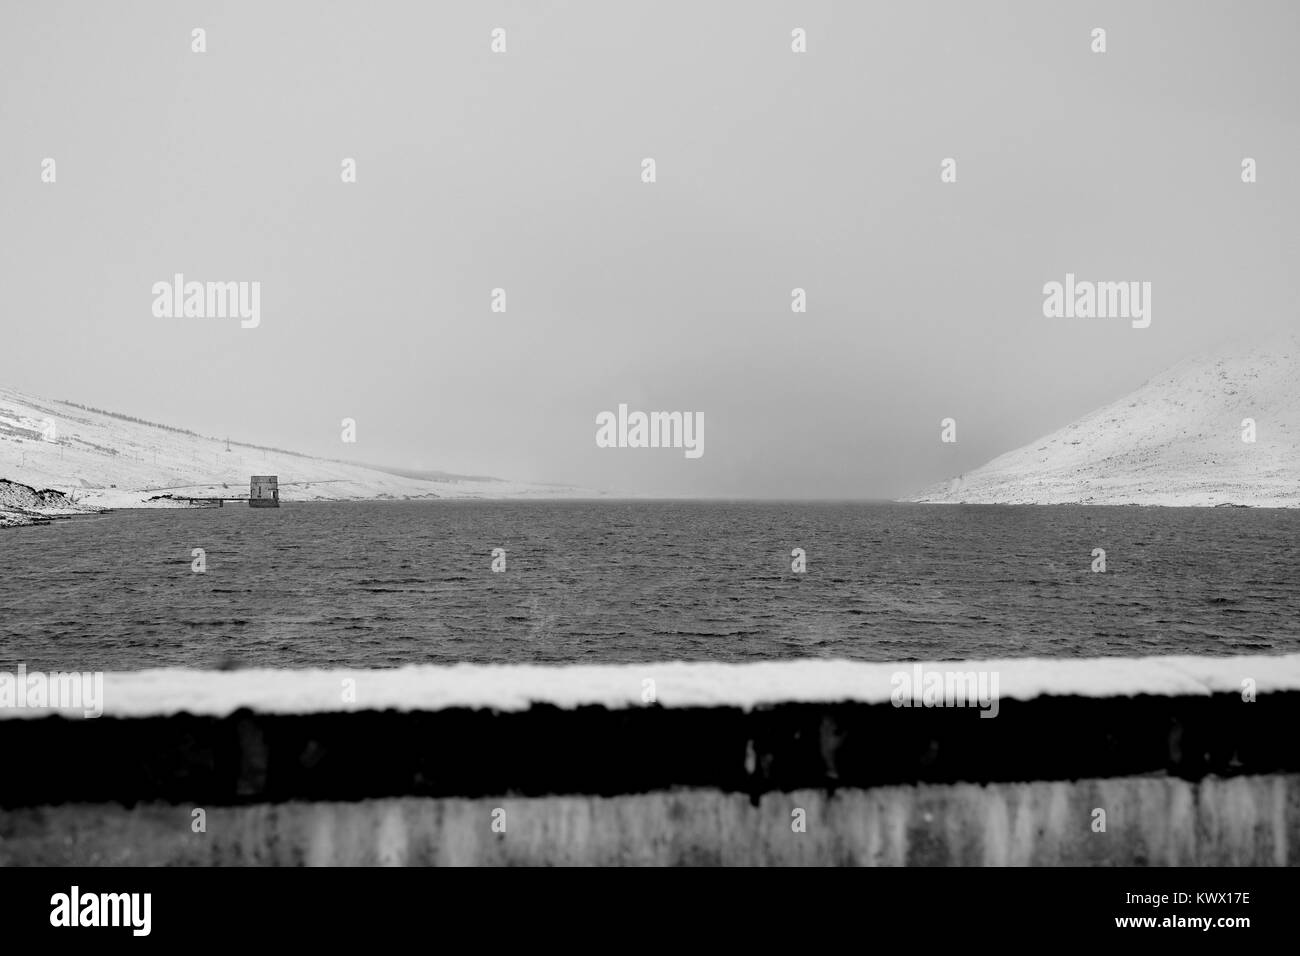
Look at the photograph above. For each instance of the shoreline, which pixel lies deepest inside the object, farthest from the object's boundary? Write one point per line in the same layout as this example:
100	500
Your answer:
23	506
25	518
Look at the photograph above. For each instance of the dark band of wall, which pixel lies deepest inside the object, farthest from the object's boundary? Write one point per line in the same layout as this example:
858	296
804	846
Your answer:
247	757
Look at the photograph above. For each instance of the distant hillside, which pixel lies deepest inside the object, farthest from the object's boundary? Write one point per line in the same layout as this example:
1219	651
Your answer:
428	475
106	459
1175	441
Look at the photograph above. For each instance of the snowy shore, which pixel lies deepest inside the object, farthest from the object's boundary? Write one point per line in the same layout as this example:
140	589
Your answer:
96	459
24	505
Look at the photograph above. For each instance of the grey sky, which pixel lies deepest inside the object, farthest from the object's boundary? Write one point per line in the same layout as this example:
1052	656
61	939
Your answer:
775	171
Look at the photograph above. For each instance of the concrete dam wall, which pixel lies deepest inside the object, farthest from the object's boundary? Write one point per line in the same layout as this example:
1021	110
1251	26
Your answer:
1166	761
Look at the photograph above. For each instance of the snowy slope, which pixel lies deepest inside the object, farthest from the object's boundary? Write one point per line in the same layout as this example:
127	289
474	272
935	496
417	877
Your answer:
100	459
1175	441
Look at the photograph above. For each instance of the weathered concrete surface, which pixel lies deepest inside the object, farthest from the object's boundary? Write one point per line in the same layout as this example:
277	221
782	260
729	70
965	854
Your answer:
1248	820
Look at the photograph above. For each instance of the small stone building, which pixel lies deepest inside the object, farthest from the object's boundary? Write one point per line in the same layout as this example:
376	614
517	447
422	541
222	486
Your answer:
264	491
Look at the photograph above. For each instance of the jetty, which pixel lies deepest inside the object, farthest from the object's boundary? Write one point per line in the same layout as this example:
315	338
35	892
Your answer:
263	492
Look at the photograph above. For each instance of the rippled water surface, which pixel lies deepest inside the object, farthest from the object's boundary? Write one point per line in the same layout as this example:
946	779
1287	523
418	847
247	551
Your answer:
390	583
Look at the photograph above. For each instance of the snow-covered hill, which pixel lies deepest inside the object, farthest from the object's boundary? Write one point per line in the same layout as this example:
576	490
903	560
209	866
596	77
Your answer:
1175	441
101	459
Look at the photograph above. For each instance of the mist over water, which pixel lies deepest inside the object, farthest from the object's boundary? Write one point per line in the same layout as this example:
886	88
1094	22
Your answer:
385	584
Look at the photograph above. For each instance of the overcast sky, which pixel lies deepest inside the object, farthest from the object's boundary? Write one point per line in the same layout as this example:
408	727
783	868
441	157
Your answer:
775	170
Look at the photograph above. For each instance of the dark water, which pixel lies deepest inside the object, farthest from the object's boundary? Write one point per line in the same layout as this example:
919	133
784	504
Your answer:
386	584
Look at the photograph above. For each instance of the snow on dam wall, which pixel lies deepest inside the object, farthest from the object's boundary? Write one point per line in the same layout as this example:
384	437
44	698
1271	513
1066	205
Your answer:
1163	761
